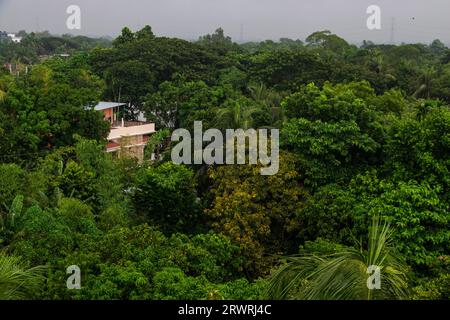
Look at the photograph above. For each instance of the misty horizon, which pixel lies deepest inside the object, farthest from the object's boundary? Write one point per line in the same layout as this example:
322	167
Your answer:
244	21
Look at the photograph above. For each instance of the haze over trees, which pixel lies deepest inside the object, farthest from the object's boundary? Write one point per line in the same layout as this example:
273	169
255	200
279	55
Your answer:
364	133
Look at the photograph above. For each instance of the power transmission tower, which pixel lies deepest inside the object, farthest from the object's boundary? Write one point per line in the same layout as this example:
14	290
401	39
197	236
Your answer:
392	39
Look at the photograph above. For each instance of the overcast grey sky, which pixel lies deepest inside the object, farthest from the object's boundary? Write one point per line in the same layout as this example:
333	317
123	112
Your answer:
415	20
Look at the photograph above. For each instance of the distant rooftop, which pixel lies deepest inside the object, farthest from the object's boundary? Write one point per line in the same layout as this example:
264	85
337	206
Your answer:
103	105
14	38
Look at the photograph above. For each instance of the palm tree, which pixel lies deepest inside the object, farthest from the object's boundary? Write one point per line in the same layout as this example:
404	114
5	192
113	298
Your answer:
235	116
5	82
426	81
2	91
16	281
269	99
377	61
344	275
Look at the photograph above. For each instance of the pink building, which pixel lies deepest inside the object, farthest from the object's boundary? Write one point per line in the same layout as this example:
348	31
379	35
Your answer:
126	137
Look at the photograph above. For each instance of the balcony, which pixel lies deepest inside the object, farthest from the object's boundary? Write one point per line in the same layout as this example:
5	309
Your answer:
127	124
131	129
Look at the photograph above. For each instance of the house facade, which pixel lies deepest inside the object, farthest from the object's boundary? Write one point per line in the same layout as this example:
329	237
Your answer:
126	137
14	38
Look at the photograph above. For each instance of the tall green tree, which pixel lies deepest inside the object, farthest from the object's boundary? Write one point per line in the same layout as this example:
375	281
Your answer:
166	196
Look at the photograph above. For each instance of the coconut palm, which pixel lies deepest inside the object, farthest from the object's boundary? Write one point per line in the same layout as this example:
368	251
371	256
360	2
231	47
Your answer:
5	83
235	116
269	99
425	83
377	61
17	281
2	90
344	275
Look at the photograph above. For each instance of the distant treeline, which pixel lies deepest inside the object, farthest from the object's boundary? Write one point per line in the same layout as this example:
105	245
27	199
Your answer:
34	45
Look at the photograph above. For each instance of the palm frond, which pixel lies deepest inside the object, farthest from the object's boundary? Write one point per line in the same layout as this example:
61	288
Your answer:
16	281
343	275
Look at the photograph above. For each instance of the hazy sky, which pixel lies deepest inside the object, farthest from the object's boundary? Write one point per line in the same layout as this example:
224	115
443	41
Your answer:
415	20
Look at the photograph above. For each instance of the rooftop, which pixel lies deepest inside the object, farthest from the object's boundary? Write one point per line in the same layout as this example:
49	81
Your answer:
103	105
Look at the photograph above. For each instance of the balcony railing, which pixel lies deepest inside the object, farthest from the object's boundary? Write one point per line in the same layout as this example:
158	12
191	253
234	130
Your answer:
127	124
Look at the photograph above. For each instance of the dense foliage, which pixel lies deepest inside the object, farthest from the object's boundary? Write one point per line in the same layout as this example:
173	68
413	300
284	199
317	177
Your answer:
364	133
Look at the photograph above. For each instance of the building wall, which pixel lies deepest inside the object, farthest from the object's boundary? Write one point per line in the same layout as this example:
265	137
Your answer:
134	152
108	114
129	146
128	141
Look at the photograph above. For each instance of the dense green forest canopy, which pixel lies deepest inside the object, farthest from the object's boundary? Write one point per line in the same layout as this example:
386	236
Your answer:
364	133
